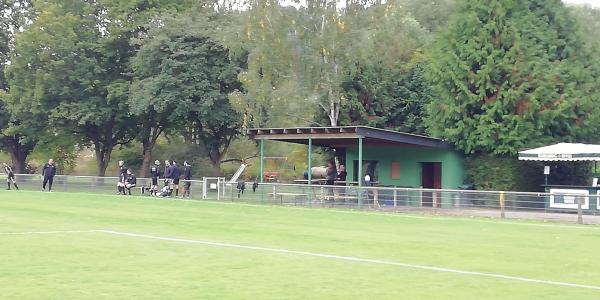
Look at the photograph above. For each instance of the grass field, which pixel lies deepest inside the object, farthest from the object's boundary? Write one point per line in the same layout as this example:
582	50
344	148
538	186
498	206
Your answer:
85	246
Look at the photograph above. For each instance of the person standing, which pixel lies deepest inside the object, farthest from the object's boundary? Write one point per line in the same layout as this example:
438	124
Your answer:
122	177
342	174
155	174
187	176
175	175
341	178
331	173
48	172
168	174
10	176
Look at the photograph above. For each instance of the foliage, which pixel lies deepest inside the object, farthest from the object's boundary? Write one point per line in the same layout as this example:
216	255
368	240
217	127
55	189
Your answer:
512	74
18	132
384	97
62	148
188	76
488	172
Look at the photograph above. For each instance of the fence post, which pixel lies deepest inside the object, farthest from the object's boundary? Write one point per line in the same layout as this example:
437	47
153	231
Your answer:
395	197
579	211
359	196
502	215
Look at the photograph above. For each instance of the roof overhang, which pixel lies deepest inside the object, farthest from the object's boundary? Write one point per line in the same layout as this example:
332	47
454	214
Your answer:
562	152
346	136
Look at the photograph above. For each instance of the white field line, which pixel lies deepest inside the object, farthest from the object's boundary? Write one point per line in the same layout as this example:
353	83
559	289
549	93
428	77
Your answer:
47	232
353	259
367	213
315	254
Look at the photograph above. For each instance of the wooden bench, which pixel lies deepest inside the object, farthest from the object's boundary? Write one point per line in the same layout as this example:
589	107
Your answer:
337	197
295	195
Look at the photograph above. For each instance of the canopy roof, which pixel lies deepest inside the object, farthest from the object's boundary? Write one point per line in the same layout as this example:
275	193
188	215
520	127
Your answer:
346	136
563	152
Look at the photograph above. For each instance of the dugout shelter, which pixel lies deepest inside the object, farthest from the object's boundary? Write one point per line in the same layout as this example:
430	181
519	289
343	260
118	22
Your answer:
392	158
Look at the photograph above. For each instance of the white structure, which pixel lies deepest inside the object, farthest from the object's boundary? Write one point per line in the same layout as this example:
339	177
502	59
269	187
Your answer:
563	152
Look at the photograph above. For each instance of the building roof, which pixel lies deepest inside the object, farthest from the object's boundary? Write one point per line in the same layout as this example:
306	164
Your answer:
563	152
346	136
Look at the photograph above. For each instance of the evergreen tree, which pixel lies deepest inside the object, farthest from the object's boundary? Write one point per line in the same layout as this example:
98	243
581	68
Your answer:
513	74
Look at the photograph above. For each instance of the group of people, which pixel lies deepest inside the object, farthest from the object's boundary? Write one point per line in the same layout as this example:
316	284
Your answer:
171	176
332	174
48	173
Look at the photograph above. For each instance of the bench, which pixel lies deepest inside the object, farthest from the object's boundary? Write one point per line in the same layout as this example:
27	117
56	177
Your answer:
295	195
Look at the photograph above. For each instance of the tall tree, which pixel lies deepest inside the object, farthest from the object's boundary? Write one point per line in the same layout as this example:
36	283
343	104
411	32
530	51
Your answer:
73	65
183	75
387	87
63	72
513	74
18	132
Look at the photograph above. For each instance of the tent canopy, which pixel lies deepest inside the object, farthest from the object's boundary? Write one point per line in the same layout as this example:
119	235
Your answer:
563	152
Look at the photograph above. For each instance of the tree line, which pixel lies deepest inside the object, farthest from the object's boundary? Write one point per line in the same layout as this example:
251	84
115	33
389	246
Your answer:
492	77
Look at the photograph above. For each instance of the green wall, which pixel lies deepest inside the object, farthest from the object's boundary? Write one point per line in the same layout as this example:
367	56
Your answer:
410	159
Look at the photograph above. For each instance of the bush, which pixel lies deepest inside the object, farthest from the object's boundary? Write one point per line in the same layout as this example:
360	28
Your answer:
488	172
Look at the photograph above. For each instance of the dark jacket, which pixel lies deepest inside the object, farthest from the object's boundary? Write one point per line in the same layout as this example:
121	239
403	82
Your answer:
168	172
49	170
331	173
187	172
155	171
131	179
175	172
123	171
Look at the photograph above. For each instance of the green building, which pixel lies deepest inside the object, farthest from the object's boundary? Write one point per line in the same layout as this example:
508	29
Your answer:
390	158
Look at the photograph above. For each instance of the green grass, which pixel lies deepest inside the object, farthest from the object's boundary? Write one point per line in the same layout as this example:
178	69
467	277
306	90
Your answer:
97	265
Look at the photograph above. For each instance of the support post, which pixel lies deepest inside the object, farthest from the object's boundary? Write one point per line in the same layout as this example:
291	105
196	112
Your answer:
502	205
309	185
579	211
360	164
262	158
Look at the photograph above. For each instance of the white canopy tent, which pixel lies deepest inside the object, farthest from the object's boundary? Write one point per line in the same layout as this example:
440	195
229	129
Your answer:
562	152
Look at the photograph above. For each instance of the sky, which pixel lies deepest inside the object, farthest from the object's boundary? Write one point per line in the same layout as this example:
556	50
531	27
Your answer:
594	3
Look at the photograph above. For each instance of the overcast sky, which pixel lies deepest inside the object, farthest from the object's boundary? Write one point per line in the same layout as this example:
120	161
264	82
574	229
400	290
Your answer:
594	3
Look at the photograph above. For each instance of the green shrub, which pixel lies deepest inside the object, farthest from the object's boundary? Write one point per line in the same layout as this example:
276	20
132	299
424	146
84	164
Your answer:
488	172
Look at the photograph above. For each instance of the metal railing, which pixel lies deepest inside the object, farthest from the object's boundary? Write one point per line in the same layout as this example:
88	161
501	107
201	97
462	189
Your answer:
499	204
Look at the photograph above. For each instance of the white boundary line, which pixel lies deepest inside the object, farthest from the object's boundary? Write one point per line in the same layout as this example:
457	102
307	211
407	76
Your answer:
491	220
314	254
47	232
353	259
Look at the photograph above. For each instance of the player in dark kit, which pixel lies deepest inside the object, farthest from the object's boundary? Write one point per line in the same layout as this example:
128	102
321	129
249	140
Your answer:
10	176
167	173
122	177
49	171
155	174
187	175
175	175
130	181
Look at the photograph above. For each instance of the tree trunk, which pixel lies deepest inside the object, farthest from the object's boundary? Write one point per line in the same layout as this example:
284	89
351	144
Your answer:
18	153
18	161
103	154
215	161
147	147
